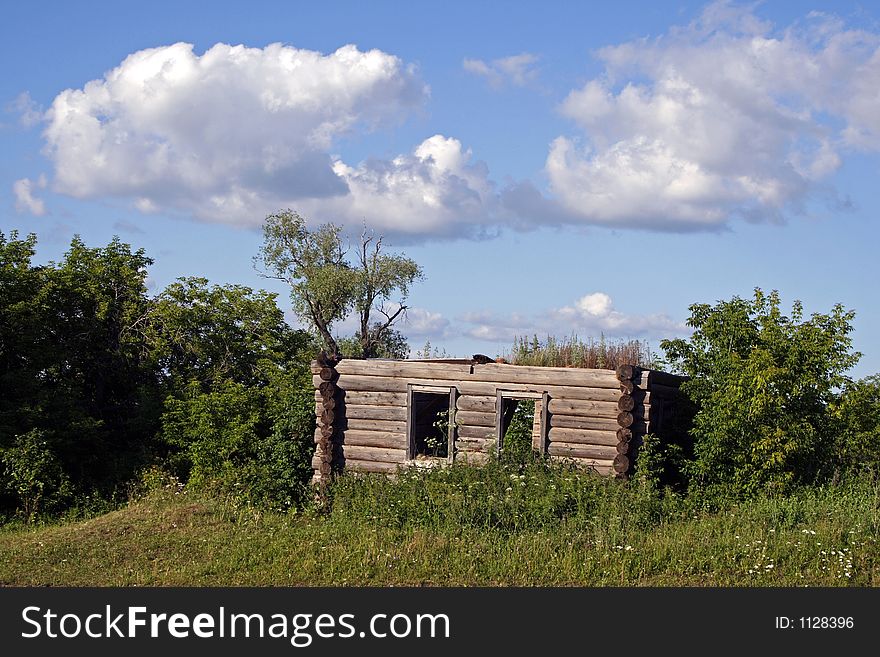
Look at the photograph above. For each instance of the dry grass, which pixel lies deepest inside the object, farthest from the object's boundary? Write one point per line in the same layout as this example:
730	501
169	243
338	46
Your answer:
575	352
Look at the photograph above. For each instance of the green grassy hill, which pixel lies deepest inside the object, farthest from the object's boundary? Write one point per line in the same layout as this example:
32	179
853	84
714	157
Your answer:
463	527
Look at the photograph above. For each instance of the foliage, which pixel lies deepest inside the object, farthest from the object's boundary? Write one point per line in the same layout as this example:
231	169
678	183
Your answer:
762	382
253	443
238	414
391	344
91	367
313	264
34	474
380	276
517	443
575	352
857	415
73	366
325	286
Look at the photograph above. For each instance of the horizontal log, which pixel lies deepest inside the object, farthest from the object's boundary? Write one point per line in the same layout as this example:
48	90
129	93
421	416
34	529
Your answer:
472	458
329	403
363	412
363	398
583	451
624	434
621	463
326	388
470	431
355	465
468	440
583	436
328	417
475	418
582	422
584	408
474	445
626	403
399	368
481	404
364	453
624	446
560	376
383	384
602	466
364	438
388	426
488	372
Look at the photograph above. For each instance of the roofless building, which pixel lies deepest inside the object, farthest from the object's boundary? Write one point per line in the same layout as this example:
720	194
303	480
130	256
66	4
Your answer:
381	415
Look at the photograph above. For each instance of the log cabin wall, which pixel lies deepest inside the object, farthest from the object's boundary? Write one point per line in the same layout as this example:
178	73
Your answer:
593	417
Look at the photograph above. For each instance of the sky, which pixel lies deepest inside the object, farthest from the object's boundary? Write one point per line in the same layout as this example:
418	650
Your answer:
556	168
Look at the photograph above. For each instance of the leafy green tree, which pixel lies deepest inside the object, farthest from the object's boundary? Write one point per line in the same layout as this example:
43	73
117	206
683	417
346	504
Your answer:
73	365
313	264
239	411
209	333
325	286
762	382
857	412
392	344
379	277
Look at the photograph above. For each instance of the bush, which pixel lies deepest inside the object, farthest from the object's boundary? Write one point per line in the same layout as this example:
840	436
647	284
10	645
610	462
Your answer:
33	474
762	383
857	412
252	443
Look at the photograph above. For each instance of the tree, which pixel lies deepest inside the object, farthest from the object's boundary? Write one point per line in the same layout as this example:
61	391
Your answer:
239	410
379	276
857	412
325	287
762	383
79	390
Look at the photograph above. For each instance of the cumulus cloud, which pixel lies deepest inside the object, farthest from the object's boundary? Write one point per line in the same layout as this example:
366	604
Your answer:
25	201
726	117
517	70
590	314
436	190
227	135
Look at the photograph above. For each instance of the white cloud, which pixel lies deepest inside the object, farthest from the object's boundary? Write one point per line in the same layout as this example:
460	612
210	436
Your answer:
591	314
420	322
25	201
435	190
29	112
726	117
226	136
518	70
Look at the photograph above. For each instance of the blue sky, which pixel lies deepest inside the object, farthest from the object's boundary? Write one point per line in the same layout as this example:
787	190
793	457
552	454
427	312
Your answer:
554	167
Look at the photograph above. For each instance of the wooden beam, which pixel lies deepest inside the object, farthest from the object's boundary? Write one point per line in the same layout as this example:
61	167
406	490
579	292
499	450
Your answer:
583	451
363	453
583	436
364	412
475	418
388	426
367	438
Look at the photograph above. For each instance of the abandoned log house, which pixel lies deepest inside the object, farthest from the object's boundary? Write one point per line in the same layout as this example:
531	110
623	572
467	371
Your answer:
381	415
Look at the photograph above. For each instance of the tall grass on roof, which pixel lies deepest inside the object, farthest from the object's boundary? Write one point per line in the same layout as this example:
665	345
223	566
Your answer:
573	351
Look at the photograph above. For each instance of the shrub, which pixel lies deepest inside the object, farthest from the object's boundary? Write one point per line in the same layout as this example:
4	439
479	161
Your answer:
762	383
857	412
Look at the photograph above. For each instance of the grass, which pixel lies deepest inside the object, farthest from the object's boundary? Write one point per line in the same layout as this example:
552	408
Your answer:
532	525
